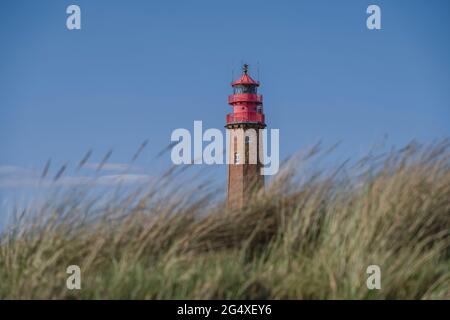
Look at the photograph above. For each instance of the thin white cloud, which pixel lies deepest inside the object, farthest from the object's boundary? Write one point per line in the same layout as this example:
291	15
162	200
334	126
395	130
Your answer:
105	180
8	170
14	176
17	177
18	182
108	166
124	179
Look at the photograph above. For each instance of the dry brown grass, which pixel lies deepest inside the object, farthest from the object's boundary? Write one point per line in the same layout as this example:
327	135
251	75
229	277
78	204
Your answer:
311	235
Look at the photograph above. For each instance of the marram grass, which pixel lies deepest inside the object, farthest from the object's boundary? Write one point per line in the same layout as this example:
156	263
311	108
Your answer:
310	235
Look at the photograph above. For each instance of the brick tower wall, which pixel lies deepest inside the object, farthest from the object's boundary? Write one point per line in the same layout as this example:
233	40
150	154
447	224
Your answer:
244	178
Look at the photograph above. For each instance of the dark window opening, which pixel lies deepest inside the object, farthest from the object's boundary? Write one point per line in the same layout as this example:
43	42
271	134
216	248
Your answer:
245	89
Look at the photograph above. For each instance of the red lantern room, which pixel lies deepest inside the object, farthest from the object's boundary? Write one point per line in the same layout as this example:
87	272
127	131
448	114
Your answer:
247	104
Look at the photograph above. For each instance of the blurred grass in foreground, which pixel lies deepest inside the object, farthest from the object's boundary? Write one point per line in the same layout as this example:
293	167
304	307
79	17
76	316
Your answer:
310	235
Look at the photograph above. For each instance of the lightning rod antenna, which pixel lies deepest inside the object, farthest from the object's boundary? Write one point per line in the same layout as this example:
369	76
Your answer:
257	69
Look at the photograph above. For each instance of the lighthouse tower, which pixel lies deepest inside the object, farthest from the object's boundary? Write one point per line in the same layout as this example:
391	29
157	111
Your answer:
245	140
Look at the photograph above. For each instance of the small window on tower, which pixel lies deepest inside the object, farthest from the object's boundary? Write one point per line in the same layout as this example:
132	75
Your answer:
247	140
237	159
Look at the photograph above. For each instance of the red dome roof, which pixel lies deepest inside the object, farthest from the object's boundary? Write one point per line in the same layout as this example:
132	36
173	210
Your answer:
245	80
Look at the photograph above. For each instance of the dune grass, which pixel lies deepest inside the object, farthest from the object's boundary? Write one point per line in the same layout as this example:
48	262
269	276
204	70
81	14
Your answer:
310	235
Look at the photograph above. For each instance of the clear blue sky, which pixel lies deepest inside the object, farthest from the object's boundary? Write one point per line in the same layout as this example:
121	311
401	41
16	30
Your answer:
140	69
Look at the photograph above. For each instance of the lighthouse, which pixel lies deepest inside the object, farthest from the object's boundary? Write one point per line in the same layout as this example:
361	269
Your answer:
245	140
